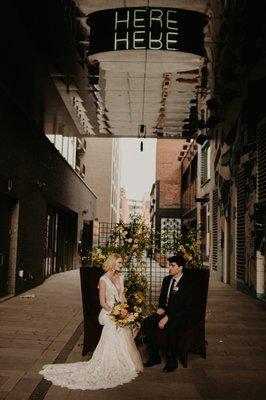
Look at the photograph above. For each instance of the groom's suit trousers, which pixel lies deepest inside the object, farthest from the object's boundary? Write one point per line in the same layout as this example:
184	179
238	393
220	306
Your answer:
178	308
172	329
150	327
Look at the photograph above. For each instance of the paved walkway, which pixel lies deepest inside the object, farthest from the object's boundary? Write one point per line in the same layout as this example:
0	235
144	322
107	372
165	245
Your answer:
46	327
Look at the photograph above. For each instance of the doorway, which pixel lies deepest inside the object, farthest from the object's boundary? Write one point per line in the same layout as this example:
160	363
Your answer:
61	241
7	206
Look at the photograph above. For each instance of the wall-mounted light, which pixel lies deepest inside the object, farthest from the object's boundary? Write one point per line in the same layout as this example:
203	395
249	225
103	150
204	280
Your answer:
201	138
9	184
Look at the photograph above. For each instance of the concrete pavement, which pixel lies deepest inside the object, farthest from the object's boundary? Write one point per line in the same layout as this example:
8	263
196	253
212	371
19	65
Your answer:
46	326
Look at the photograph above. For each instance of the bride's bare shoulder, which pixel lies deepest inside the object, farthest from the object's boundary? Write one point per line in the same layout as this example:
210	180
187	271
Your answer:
102	280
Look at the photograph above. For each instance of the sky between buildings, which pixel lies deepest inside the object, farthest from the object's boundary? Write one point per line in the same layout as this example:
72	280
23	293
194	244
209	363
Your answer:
137	168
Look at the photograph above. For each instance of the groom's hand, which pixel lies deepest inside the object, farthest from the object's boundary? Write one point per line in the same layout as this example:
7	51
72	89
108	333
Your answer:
160	311
163	322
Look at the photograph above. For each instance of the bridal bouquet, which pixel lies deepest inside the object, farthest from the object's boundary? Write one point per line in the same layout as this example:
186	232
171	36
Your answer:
123	315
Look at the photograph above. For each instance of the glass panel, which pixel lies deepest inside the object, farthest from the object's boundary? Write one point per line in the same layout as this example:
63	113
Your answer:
58	142
65	146
70	151
51	138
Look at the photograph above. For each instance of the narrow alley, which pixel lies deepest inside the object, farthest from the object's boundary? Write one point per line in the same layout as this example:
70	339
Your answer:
44	325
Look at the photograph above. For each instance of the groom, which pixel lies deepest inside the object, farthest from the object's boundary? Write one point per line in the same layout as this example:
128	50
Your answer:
173	314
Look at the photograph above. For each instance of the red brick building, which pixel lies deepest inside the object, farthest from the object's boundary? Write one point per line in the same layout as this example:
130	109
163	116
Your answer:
166	191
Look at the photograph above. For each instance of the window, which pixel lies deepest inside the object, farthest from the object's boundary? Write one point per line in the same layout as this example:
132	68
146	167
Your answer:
51	138
205	163
194	171
65	147
58	142
70	156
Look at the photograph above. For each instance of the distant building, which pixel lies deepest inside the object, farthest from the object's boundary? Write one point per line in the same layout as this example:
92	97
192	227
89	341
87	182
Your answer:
135	207
124	209
165	202
146	204
102	165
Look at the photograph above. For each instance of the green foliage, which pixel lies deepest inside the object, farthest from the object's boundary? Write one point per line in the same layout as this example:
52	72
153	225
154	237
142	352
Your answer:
136	285
185	243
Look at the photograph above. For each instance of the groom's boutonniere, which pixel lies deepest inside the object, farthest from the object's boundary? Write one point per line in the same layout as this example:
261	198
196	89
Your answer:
175	289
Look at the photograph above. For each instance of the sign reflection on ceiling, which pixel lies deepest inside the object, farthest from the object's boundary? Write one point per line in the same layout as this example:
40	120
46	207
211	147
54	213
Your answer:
146	28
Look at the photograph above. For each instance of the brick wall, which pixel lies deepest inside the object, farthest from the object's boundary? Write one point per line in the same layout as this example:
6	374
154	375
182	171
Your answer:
168	172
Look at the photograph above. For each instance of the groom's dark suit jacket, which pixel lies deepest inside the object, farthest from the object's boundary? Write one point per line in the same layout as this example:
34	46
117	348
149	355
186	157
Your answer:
180	304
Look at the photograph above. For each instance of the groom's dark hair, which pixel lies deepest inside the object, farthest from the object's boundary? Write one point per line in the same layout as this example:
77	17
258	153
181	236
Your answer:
178	259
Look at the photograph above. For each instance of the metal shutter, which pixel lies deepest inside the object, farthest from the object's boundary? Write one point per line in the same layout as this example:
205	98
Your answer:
240	240
214	229
261	160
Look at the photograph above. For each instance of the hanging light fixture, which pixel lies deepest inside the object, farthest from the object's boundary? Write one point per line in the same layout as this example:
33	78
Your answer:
142	134
142	126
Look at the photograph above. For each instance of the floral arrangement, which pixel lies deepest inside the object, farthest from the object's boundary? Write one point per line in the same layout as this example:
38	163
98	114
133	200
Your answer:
185	243
135	288
130	240
132	311
124	315
95	257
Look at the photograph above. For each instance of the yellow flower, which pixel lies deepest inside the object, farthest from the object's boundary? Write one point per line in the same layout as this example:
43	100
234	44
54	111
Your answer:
124	313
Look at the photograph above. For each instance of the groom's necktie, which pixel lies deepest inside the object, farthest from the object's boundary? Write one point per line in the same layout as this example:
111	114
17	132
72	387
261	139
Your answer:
170	290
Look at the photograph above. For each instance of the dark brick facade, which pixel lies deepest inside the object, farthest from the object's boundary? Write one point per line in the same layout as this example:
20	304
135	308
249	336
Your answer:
36	175
37	185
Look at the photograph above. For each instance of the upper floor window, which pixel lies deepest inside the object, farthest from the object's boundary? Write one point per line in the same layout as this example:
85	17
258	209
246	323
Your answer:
205	161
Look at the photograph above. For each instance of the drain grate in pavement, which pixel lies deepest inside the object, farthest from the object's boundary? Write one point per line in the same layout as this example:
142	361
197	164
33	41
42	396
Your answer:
43	386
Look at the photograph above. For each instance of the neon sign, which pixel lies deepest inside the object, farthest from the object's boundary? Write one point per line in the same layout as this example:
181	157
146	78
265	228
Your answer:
147	28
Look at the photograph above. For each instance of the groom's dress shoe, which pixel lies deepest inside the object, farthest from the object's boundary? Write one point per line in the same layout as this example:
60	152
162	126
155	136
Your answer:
152	361
170	367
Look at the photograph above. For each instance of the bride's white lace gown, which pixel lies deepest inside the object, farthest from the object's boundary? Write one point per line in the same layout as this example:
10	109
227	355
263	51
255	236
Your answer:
115	360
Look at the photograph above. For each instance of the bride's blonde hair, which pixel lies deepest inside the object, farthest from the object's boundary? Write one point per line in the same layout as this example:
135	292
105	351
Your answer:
110	261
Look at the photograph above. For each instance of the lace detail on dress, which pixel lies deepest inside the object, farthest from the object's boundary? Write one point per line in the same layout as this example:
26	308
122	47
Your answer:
114	362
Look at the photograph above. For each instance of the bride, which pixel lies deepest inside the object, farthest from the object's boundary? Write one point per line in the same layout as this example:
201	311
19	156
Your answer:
115	360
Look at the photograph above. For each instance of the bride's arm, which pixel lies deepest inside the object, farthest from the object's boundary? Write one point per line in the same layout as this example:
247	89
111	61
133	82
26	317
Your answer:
102	297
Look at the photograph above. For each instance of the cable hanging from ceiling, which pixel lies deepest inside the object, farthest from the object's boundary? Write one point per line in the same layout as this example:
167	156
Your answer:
142	126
